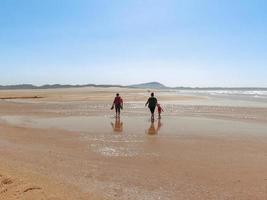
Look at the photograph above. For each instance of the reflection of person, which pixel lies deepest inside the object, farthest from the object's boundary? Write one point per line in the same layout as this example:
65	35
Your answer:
152	103
118	103
152	130
118	126
160	110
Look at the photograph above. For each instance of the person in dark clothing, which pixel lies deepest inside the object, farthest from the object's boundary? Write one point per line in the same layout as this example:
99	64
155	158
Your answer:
118	104
152	103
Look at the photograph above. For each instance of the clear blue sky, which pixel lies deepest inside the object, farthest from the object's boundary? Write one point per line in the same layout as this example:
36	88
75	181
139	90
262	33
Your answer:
176	42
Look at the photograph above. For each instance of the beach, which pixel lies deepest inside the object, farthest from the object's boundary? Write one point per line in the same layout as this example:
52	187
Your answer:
65	144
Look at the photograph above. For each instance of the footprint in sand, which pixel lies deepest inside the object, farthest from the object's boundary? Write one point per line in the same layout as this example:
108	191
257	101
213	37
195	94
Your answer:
31	188
6	181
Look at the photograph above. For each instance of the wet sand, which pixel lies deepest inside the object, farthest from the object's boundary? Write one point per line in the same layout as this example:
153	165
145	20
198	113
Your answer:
68	145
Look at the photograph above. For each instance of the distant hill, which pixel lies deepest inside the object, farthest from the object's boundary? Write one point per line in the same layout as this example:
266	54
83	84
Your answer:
15	87
53	86
150	85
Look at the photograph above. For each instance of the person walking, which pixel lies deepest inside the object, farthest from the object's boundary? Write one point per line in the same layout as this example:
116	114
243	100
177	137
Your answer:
152	103
118	104
160	110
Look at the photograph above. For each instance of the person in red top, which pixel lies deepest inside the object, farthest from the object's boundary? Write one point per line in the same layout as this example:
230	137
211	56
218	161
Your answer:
160	110
118	104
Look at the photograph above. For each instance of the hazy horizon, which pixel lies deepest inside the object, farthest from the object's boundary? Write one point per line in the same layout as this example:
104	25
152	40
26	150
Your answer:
135	84
175	42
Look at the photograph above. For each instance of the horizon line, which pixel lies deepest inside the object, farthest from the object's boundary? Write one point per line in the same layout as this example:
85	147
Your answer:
59	85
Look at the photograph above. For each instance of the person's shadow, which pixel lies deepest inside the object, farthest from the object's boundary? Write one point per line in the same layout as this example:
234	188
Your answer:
117	126
153	130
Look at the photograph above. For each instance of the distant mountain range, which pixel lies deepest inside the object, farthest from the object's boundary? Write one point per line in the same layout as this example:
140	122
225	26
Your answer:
150	85
53	86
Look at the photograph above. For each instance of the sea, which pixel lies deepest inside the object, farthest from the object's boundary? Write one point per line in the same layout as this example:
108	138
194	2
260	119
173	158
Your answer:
253	94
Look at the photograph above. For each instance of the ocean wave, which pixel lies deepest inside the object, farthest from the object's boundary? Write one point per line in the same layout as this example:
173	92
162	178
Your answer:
248	93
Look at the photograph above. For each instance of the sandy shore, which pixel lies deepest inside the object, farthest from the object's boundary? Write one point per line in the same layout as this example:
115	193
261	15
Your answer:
66	144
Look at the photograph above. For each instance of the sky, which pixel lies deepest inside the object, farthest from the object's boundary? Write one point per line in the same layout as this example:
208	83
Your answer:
200	43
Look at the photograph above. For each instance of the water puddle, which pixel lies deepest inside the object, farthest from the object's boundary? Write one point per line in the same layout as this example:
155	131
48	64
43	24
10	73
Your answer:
133	136
169	125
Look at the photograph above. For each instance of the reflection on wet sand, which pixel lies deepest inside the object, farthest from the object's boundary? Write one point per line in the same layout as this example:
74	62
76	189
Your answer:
153	130
117	126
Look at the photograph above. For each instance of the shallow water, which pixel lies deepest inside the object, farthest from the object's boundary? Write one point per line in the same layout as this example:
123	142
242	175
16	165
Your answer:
167	126
133	136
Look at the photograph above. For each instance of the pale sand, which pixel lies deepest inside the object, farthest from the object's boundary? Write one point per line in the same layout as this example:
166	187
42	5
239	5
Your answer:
67	145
